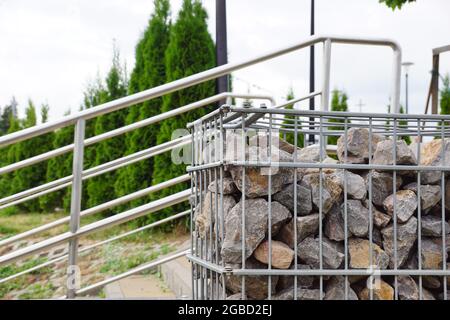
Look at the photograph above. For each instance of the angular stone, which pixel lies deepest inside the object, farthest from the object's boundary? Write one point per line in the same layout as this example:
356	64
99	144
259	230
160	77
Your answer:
407	288
357	145
262	140
406	236
205	214
380	219
406	204
334	225
430	195
285	282
432	226
306	226
308	252
281	257
331	191
377	238
257	179
304	200
383	291
447	194
336	289
228	186
357	217
302	294
384	153
430	155
359	254
431	255
256	222
236	296
382	186
356	186
427	295
256	287
310	154
430	282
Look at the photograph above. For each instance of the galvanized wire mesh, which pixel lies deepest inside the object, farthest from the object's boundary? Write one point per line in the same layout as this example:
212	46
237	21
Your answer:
393	241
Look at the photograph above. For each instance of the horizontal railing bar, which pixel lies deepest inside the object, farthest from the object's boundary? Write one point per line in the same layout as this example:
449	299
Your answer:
352	272
88	248
181	84
341	114
131	272
93	172
128	128
289	102
206	264
96	209
96	226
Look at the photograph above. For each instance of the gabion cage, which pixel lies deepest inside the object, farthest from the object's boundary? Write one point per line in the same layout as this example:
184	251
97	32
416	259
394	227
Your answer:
305	205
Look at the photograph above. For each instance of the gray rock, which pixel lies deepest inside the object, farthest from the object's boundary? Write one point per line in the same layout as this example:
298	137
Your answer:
308	252
382	186
236	296
384	153
406	237
331	191
359	254
432	254
306	226
357	217
334	225
357	145
406	204
407	288
262	140
432	226
380	219
427	295
309	154
257	179
256	287
285	282
302	294
336	290
430	282
377	238
256	222
430	195
304	200
228	186
447	194
205	215
430	155
356	186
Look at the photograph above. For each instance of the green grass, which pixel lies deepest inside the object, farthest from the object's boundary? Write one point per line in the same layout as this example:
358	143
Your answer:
38	291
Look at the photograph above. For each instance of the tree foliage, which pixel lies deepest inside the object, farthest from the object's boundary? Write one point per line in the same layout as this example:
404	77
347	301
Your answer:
190	50
338	103
289	123
394	4
149	71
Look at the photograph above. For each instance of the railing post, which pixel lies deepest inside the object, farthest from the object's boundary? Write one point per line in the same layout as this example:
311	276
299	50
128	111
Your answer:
325	100
396	86
73	272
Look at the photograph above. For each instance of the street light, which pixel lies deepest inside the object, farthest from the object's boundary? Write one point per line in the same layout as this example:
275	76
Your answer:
312	72
407	66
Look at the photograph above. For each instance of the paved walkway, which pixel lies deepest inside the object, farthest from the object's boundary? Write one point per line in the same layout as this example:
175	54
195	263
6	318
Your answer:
139	287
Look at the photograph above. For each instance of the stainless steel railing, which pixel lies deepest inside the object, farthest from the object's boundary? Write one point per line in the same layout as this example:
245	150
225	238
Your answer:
78	174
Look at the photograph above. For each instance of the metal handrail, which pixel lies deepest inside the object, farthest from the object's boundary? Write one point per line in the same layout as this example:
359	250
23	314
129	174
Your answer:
97	226
95	245
433	91
210	74
78	146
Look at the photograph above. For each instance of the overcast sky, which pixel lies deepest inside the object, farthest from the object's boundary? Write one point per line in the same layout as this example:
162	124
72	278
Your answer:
50	49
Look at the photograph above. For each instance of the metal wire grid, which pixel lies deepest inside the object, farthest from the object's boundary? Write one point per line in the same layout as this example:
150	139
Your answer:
209	136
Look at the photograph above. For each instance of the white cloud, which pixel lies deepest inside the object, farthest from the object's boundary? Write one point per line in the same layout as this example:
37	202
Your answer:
50	49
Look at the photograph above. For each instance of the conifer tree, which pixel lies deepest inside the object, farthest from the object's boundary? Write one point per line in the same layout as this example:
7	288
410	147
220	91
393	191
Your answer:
149	71
290	122
101	189
190	50
338	103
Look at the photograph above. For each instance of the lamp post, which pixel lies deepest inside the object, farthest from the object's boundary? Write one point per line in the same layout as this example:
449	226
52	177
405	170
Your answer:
407	66
312	72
